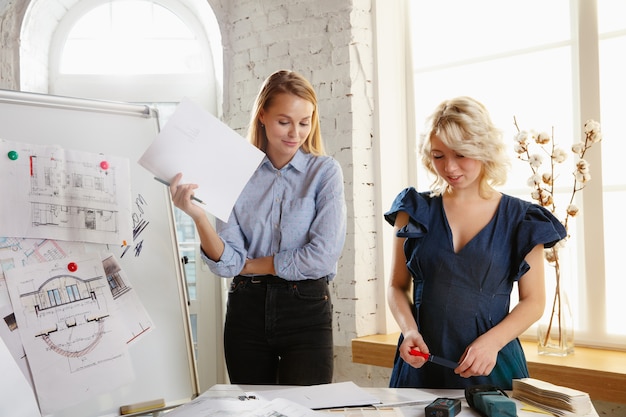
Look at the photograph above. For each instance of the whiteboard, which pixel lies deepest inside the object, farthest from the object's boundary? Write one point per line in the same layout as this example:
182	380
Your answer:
163	359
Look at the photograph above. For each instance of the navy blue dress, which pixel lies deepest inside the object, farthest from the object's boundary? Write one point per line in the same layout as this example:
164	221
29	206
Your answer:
459	296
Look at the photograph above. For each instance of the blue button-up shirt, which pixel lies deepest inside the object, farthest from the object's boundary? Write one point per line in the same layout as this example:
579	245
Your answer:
297	214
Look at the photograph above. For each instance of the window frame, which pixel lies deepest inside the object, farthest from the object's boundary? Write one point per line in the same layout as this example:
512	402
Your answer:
585	45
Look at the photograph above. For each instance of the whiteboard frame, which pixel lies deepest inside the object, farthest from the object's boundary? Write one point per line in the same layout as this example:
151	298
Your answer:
134	110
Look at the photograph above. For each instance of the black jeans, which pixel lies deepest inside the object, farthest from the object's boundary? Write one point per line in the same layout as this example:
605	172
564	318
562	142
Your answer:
279	331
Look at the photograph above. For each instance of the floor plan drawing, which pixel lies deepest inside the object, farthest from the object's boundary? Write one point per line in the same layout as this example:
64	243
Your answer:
80	186
65	194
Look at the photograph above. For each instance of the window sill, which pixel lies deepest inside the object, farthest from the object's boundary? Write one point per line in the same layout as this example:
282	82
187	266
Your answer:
599	372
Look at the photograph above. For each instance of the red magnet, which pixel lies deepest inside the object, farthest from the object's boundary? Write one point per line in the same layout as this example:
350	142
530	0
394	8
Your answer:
72	267
104	165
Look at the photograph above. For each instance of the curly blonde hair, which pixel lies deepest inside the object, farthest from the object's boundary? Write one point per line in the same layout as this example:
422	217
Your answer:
285	81
464	125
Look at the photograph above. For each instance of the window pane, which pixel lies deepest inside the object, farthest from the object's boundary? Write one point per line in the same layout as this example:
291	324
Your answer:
131	37
446	31
612	28
610	15
612	93
522	72
538	96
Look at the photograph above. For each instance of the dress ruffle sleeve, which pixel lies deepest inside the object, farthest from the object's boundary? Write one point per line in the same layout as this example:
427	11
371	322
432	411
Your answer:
539	226
417	206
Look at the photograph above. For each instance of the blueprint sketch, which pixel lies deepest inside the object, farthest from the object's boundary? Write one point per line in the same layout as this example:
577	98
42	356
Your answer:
136	321
74	345
63	194
19	252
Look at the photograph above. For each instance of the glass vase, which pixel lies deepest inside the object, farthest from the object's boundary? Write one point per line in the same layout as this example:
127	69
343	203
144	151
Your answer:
556	330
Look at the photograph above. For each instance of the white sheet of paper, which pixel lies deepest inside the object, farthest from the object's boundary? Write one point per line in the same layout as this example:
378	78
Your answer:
207	152
16	395
207	405
340	394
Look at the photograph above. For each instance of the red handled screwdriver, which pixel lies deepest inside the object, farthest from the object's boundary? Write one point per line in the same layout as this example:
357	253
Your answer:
434	359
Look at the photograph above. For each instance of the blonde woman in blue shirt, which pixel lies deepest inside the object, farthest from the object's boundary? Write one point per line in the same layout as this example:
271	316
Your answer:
281	243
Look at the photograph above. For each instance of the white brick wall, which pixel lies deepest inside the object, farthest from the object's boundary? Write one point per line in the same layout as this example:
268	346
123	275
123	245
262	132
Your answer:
329	42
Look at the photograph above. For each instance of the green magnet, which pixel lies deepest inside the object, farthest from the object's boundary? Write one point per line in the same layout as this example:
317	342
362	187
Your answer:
12	155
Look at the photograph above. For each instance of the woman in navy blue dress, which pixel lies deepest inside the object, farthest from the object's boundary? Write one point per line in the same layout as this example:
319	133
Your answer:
462	246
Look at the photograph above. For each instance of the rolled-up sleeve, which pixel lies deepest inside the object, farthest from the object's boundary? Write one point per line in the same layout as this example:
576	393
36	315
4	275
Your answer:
234	256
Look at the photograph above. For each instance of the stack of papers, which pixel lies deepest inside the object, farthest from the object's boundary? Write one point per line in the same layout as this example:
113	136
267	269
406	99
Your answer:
558	400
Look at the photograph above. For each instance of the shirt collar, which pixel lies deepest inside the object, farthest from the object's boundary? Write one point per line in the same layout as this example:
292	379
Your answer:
298	161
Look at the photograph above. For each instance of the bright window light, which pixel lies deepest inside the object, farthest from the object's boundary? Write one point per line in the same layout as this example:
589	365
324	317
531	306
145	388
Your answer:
131	37
524	64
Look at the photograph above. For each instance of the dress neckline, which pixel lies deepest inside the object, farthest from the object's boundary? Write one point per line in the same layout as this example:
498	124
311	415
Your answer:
487	225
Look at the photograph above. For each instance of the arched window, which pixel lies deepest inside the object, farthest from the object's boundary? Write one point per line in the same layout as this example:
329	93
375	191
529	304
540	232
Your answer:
150	51
138	37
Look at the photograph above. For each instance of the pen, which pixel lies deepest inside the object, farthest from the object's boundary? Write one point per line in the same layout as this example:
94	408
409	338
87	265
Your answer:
168	184
434	359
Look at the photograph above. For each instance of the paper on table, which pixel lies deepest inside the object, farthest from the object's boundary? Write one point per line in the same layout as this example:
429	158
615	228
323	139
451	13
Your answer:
207	152
207	405
316	397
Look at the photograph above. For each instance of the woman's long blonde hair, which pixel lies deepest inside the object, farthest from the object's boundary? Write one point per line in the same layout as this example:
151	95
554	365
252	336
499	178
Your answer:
290	82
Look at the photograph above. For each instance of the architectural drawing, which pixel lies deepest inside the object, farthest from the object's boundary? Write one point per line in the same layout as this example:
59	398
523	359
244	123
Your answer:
136	318
64	310
113	271
80	187
65	194
69	312
32	251
72	336
49	305
17	252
